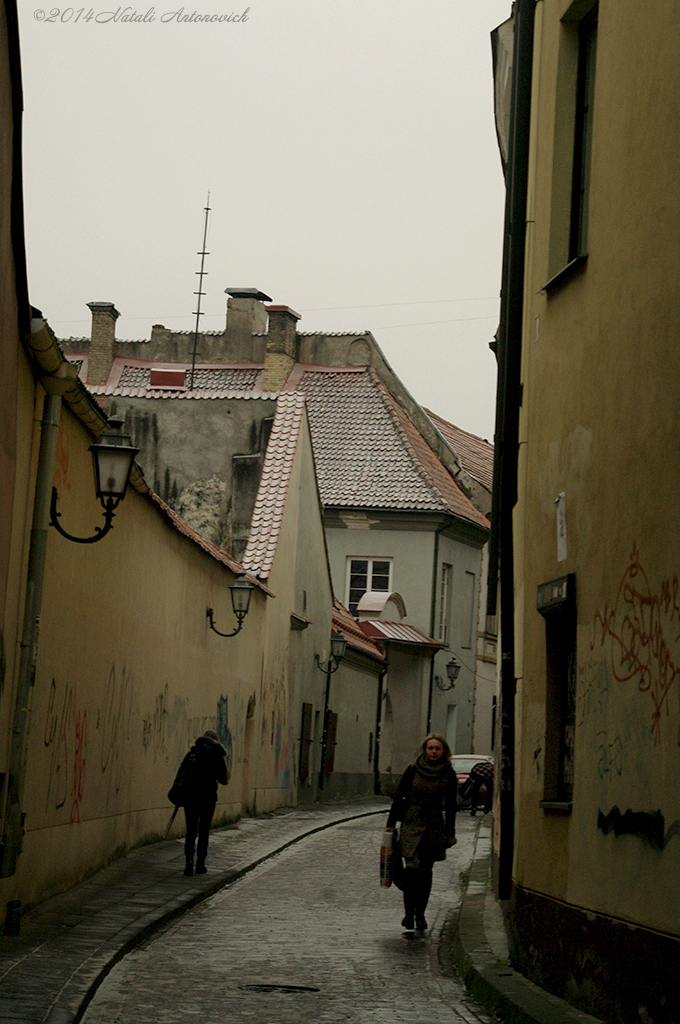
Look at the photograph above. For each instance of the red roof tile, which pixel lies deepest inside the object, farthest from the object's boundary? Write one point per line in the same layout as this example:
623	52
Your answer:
273	490
355	636
475	453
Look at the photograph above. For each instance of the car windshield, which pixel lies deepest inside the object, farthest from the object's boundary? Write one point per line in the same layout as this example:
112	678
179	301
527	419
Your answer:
464	764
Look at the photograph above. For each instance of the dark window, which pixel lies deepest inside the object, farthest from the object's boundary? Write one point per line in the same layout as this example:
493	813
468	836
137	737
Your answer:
583	131
305	741
557	603
331	734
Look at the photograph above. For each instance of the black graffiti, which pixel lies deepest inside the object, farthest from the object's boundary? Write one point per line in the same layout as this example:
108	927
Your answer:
645	825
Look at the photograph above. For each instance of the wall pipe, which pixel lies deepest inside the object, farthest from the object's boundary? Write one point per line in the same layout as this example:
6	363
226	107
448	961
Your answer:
508	402
433	620
16	775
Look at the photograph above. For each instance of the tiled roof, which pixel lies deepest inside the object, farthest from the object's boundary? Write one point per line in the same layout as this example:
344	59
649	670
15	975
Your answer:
368	452
355	636
475	453
273	490
398	632
131	378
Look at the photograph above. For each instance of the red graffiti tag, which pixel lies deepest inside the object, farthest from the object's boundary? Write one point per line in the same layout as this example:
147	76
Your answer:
643	628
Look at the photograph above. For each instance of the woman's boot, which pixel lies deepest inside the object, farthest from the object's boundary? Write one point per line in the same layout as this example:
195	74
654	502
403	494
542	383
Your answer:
410	888
422	897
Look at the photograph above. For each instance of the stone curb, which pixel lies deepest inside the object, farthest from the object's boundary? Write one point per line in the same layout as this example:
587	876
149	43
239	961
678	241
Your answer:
489	978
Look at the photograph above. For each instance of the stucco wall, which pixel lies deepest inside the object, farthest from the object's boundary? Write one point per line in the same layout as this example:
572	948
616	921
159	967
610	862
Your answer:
600	415
128	674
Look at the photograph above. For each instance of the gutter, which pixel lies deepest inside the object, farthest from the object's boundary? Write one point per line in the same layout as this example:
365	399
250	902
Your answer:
508	403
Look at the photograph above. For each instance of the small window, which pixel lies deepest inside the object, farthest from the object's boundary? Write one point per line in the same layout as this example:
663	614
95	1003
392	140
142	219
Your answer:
373	575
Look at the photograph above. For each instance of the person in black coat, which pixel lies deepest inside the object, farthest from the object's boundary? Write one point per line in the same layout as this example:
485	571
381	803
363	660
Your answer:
208	760
425	804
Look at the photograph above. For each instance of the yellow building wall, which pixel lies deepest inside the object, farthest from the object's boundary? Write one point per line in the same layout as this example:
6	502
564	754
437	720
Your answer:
300	579
600	422
128	674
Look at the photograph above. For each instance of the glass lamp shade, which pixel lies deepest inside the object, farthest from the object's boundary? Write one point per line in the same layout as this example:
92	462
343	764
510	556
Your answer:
338	646
241	589
112	457
453	669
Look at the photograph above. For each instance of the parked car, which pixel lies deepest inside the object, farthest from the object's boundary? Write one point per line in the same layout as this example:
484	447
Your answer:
462	765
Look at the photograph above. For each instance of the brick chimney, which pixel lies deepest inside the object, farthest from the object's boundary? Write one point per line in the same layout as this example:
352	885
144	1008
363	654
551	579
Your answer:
102	342
246	315
281	351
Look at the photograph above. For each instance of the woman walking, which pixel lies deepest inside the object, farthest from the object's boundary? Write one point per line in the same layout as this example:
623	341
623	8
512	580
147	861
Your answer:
425	804
208	767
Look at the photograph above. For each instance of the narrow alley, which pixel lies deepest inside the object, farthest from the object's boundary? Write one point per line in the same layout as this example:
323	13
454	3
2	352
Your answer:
309	935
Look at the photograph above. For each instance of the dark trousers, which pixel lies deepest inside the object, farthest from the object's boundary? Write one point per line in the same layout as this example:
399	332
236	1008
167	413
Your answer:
198	818
417	884
474	798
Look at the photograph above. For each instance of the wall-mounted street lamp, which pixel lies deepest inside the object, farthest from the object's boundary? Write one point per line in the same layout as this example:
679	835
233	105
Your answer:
241	589
452	672
338	648
112	457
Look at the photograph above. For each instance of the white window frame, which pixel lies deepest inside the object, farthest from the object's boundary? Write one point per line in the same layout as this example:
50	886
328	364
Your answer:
371	559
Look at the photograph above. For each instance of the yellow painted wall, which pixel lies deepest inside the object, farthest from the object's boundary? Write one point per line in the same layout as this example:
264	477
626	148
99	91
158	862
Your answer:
300	579
128	674
600	422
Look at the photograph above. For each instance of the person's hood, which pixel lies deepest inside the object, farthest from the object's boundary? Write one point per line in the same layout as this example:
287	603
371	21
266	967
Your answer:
206	743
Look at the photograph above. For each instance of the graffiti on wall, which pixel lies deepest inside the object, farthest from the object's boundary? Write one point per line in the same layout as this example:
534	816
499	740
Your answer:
155	726
65	736
643	630
650	827
114	720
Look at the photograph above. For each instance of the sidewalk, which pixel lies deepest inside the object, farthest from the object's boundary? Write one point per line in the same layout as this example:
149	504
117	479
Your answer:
476	942
67	945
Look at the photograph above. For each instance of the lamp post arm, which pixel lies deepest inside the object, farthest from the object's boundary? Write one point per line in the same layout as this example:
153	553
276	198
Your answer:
209	613
109	514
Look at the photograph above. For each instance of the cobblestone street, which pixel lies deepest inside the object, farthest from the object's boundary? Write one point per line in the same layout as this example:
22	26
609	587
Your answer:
307	936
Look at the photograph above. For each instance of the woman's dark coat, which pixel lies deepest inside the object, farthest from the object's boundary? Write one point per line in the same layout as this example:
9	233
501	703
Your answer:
425	803
209	768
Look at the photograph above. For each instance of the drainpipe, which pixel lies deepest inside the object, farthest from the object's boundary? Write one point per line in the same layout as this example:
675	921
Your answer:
377	788
433	620
508	402
16	775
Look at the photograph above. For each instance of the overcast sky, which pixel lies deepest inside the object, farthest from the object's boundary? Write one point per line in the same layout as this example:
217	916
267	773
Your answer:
350	154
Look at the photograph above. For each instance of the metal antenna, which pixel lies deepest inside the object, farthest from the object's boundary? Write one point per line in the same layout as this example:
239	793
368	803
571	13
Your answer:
200	291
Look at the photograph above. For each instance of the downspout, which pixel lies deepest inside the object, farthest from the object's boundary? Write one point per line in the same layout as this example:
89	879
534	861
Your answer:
377	788
508	402
16	775
433	616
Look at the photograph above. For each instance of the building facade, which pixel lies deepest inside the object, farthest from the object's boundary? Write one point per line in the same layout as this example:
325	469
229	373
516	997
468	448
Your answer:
588	832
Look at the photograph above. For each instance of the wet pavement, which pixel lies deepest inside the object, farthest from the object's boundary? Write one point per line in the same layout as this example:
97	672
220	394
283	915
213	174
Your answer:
302	918
309	936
